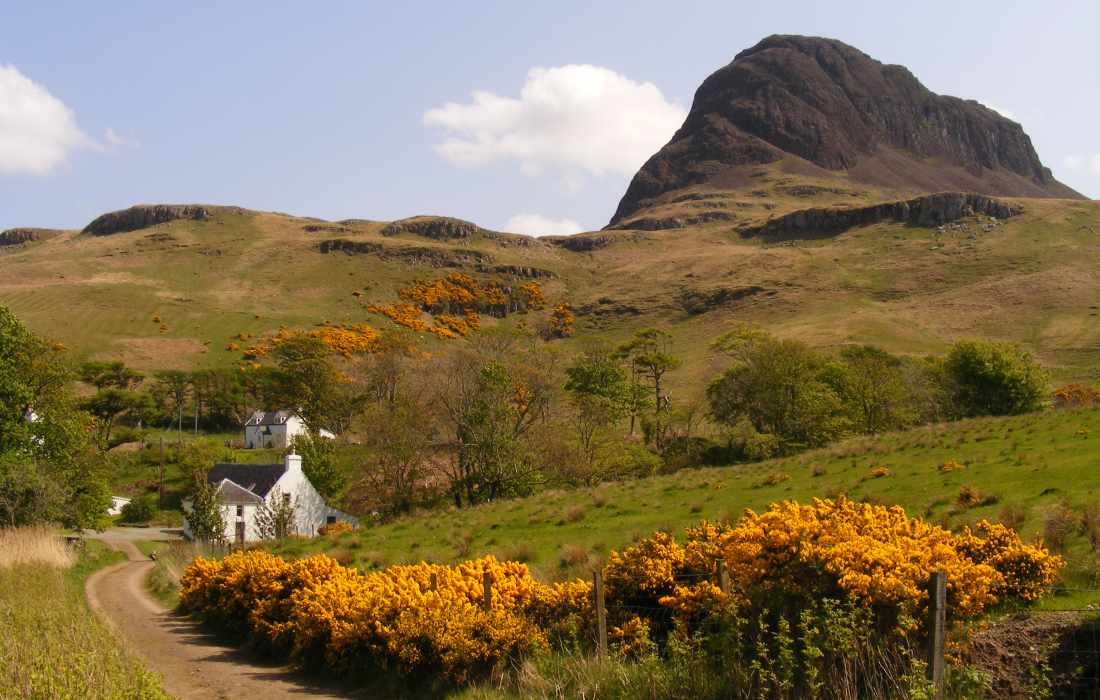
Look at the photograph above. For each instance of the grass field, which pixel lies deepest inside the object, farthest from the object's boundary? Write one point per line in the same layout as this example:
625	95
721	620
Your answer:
1020	468
53	646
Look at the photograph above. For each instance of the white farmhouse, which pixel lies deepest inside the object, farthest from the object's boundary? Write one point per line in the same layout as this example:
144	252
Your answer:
243	487
275	429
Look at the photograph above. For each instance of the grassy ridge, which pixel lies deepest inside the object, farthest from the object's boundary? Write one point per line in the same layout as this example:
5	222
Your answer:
1025	464
911	290
53	646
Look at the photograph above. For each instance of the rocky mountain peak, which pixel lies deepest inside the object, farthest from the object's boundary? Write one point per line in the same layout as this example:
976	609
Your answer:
835	107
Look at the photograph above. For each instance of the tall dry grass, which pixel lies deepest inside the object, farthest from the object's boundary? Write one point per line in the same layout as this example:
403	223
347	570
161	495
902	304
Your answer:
51	644
33	545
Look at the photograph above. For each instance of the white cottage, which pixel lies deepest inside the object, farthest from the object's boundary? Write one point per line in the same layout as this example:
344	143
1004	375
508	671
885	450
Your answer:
275	429
242	487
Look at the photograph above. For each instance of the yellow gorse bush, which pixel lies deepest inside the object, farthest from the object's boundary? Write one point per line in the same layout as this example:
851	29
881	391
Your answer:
838	548
430	620
323	612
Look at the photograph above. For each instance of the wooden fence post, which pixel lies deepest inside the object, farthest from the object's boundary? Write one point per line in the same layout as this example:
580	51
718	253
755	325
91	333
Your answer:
160	476
601	613
937	618
723	576
433	584
487	585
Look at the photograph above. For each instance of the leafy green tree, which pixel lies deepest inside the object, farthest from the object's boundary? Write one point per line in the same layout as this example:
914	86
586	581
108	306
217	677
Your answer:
110	405
47	471
275	516
872	384
110	375
778	388
139	510
994	379
649	359
116	397
170	391
319	464
600	396
205	516
395	476
311	383
491	462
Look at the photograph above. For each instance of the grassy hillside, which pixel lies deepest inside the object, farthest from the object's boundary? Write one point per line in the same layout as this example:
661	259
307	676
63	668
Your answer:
1019	467
912	290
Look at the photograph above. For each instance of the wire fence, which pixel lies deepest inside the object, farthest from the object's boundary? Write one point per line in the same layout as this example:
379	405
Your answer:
1062	645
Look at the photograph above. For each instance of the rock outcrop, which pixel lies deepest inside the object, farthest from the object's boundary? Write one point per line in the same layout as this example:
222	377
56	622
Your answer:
661	223
411	255
830	104
583	243
144	216
523	271
932	210
16	236
438	228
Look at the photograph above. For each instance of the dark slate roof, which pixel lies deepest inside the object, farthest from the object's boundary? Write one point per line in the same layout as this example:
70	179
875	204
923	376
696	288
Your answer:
270	417
233	494
257	478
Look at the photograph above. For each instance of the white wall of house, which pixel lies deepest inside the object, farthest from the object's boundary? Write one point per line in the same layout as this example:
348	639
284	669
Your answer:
278	436
273	436
310	509
117	502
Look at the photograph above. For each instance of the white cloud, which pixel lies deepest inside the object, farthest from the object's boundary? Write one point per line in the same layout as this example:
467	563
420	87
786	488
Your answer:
1083	163
538	225
37	130
576	119
116	140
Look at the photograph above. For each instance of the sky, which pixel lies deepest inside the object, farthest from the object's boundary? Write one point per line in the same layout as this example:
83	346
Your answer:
530	117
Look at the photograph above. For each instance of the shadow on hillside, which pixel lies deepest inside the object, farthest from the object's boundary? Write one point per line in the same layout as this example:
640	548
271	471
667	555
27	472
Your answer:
233	647
1075	662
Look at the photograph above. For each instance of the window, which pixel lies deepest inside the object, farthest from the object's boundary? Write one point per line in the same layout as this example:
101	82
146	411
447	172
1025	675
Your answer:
240	511
330	519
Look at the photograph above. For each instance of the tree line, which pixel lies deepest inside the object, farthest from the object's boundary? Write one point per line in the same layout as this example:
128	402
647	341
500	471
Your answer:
502	414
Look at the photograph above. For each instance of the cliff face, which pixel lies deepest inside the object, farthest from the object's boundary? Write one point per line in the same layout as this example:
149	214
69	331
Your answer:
143	216
836	107
931	210
16	236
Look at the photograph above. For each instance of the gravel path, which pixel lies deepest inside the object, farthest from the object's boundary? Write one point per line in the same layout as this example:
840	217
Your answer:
192	663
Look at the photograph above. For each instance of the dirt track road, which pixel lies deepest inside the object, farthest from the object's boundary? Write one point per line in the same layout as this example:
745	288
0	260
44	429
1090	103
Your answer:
192	663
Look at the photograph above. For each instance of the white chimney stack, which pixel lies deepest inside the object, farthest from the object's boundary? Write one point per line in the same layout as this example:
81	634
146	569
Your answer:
293	462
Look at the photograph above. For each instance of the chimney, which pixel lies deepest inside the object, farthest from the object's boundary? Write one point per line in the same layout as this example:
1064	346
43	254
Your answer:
293	462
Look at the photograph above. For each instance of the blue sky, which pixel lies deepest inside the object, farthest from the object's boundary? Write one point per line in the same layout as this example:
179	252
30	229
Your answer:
341	110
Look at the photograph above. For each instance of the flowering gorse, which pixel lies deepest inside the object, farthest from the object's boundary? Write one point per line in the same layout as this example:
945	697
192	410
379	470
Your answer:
430	620
325	613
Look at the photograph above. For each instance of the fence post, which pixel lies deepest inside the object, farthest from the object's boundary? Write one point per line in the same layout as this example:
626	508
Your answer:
601	613
487	586
937	617
433	583
160	476
723	576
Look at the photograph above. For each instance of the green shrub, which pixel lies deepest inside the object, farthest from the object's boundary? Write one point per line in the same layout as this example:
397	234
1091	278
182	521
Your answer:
140	510
994	379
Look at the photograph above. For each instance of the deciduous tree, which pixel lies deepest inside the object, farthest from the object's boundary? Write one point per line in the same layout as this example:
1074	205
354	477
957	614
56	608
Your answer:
994	379
275	516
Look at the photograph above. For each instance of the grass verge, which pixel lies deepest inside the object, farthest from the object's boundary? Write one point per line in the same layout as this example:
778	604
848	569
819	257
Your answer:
53	646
